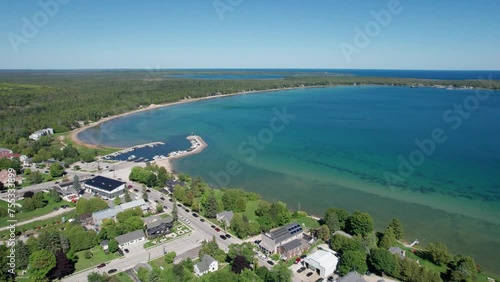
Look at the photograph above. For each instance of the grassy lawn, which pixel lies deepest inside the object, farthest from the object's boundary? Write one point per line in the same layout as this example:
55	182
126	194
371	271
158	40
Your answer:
309	222
123	277
22	216
161	262
42	223
81	149
251	208
99	257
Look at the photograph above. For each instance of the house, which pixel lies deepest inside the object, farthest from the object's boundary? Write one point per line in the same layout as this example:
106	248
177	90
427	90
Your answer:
104	245
280	236
5	153
134	204
352	277
323	262
4	178
99	216
206	265
171	183
27	162
159	227
43	132
397	251
291	249
225	217
152	218
104	186
131	238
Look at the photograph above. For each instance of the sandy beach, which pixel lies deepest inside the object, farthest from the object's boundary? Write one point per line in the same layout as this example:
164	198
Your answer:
74	134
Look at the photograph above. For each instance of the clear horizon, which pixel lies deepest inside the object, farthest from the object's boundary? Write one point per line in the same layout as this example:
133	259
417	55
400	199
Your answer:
241	34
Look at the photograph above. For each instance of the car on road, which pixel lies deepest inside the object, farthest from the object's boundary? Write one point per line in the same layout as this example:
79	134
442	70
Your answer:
195	214
179	205
162	198
303	256
101	265
111	170
127	251
187	210
213	226
223	237
297	260
300	270
228	236
270	262
130	186
136	190
330	279
156	201
309	274
147	190
217	229
92	175
56	208
320	280
57	182
111	271
165	207
257	241
170	200
202	220
46	171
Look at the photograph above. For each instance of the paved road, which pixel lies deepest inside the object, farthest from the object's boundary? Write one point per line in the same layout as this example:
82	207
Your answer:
202	231
46	216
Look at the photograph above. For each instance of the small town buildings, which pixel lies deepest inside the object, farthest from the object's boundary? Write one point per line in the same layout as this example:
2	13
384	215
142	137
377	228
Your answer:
5	153
133	204
43	132
104	245
397	251
104	186
159	227
99	216
292	249
225	217
280	236
4	178
352	277
131	238
206	265
323	262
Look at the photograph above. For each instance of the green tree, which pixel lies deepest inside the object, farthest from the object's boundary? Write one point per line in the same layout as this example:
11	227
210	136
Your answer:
76	183
35	177
41	262
281	273
438	253
133	223
56	170
54	195
388	239
128	199
352	261
462	268
113	245
323	233
22	255
175	214
359	223
397	226
247	275
96	277
245	249
170	257
331	220
211	206
383	262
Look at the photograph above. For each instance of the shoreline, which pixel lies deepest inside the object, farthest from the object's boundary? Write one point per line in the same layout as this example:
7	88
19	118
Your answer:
73	135
165	162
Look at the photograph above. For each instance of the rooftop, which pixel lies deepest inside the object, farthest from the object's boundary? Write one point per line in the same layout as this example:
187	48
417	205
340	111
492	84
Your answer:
104	183
225	215
157	223
133	204
100	215
292	245
129	236
205	262
323	257
285	232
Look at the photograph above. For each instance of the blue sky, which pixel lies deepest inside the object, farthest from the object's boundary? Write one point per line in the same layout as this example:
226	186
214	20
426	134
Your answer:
446	34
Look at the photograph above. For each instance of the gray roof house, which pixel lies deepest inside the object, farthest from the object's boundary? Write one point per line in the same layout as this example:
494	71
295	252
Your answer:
280	236
131	238
159	227
225	217
206	265
104	245
397	251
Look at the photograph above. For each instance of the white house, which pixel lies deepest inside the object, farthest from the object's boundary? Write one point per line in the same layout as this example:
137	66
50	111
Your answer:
206	265
131	238
43	132
104	186
323	262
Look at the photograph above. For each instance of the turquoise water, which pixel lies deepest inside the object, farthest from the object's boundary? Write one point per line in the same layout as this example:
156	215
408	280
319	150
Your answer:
337	148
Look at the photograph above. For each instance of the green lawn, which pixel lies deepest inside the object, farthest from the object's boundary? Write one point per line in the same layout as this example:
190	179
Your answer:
22	216
41	223
309	222
123	277
81	149
99	257
251	208
161	262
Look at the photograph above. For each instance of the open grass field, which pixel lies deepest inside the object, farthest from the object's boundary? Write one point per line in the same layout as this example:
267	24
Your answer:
99	256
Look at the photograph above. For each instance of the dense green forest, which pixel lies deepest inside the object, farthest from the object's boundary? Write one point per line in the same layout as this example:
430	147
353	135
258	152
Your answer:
32	100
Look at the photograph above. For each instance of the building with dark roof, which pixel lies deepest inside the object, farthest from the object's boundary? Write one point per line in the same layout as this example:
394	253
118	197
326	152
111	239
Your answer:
159	227
104	186
292	249
225	217
397	251
280	236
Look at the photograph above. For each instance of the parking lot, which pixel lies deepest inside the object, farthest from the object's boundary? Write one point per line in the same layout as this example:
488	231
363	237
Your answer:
302	277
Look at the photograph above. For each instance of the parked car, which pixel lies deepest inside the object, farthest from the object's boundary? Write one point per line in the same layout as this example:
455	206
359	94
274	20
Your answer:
195	214
130	186
300	270
297	260
170	200
228	236
57	182
270	262
202	220
147	190
126	250
162	198
187	210
213	226
309	274
223	237
330	279
101	265
165	207
303	256
136	190
111	271
320	280
179	205
217	229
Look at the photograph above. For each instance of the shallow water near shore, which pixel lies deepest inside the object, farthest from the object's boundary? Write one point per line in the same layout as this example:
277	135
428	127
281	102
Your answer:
336	151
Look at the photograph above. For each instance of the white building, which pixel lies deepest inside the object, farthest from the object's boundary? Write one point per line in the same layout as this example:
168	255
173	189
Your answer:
131	238
206	265
43	132
323	262
134	204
